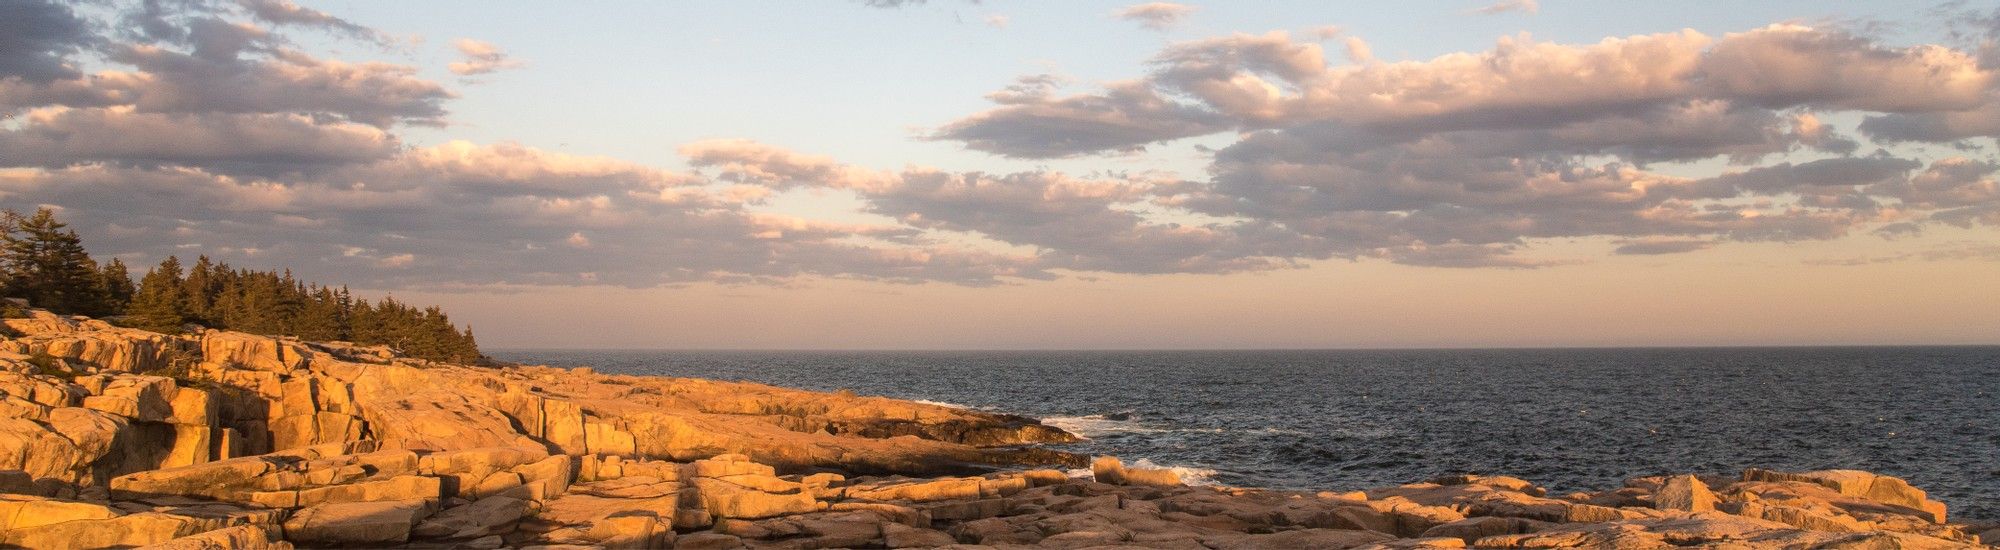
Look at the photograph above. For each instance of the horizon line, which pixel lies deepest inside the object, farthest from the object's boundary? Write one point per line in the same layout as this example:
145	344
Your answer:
1248	349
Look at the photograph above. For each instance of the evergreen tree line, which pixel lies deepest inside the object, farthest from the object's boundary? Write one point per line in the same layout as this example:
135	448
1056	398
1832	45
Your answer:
44	261
47	265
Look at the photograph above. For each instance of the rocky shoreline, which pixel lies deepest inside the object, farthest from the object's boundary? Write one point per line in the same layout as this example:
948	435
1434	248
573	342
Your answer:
116	438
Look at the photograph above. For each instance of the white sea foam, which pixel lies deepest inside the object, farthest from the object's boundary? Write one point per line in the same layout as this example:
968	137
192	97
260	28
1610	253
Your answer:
940	404
1096	425
1195	477
1091	426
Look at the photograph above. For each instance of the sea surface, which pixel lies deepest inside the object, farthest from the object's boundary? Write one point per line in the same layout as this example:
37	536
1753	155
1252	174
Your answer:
1569	419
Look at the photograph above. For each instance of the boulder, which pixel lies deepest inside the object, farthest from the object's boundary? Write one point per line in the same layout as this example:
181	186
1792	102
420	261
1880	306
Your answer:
1685	494
1434	543
379	522
125	531
22	511
241	537
722	499
486	516
1857	483
92	432
576	509
1800	517
31	447
725	465
555	472
399	488
916	490
629	487
1473	529
1882	539
433	419
896	535
1332	539
219	480
631	531
708	541
1410	519
91	345
147	398
193	407
966	510
1693	529
1108	469
249	351
829	530
1498	482
477	462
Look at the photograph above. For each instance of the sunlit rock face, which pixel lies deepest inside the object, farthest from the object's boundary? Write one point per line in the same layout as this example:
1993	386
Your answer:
113	437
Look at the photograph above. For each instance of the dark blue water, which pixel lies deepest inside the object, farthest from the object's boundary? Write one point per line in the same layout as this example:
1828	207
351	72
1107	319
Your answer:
1570	419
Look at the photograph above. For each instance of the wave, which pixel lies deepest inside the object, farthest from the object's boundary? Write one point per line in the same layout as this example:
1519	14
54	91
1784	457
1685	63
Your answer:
1092	426
941	404
1192	476
1096	425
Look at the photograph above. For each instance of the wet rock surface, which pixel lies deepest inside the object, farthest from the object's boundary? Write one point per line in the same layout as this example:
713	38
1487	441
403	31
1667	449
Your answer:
255	442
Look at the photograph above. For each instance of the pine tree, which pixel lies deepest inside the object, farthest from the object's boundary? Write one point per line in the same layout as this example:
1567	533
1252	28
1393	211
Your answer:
43	261
320	319
200	289
117	284
47	265
160	304
228	309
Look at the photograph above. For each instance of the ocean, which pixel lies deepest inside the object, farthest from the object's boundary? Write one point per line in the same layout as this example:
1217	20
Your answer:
1568	419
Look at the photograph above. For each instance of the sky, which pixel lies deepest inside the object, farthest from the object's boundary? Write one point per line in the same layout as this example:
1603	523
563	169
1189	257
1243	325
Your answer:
947	174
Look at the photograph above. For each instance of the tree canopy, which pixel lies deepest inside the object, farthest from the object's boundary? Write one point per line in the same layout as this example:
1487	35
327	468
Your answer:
44	262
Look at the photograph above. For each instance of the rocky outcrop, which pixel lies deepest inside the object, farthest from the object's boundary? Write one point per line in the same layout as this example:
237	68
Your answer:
255	442
1687	494
80	343
1865	485
1109	469
364	495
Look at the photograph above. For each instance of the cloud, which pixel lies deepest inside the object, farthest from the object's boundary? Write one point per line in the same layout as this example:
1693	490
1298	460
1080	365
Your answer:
1977	252
226	142
1358	50
1127	117
461	215
1248	82
1661	246
1074	223
205	129
284	12
198	58
207	132
373	93
481	58
1158	16
1509	6
1790	65
34	38
1466	159
1983	121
